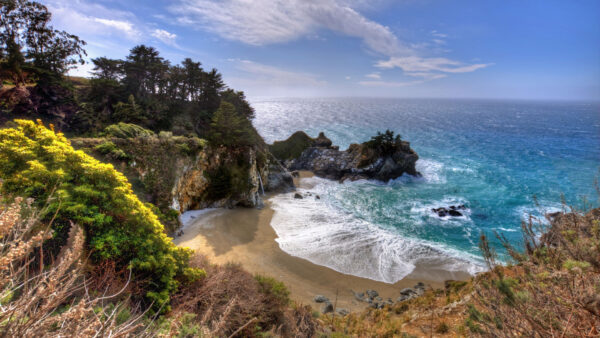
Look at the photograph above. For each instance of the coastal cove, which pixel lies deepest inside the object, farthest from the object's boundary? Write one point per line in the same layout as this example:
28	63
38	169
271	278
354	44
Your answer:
245	236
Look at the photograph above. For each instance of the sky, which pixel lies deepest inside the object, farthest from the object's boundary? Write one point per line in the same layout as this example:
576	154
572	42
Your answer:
509	49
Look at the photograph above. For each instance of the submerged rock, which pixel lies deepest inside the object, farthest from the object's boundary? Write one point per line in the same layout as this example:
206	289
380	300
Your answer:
450	211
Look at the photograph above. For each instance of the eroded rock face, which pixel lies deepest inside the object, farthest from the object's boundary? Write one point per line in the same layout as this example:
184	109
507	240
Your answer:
357	162
224	177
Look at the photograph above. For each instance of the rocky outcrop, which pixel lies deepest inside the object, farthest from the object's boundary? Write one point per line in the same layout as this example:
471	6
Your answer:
225	177
359	161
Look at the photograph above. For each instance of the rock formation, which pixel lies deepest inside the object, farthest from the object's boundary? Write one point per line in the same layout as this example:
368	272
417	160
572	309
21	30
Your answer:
359	161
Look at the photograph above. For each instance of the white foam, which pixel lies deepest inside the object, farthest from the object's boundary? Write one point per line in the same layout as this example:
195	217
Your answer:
316	230
431	170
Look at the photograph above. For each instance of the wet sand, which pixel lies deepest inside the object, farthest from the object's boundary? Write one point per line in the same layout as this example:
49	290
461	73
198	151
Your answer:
245	236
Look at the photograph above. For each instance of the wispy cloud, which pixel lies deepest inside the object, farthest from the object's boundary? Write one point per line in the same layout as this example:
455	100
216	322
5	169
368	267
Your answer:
390	83
375	75
262	22
164	36
83	18
275	76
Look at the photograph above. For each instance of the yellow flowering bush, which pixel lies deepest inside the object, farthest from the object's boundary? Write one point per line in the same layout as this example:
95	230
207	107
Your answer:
39	163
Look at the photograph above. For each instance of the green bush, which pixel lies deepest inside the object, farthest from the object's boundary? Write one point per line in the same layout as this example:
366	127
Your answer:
292	147
36	162
274	288
127	130
384	144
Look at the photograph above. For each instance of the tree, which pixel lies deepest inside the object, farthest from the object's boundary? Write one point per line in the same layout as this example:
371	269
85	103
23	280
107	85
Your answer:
128	112
29	42
109	69
212	85
144	69
238	99
230	129
384	144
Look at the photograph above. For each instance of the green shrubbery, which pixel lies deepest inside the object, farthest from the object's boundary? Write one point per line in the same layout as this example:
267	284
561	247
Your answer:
384	144
292	147
127	130
36	162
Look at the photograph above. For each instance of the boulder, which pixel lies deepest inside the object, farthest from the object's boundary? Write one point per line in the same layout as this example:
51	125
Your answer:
321	299
454	213
342	312
298	196
322	141
327	308
278	179
372	293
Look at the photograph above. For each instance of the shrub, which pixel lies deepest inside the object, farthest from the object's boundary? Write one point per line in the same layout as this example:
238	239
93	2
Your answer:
47	304
292	147
36	162
127	130
384	144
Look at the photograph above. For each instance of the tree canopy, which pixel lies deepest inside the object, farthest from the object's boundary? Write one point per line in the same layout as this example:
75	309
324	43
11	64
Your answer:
29	46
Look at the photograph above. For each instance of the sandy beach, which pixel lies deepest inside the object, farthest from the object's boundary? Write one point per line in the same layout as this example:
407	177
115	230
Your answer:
245	236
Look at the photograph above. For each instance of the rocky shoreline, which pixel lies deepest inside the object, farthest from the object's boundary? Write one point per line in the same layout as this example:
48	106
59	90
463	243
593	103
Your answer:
372	298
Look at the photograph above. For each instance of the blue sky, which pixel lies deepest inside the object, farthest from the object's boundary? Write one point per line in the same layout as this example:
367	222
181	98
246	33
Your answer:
406	48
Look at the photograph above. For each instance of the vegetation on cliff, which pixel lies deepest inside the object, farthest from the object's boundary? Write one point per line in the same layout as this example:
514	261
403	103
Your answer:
36	162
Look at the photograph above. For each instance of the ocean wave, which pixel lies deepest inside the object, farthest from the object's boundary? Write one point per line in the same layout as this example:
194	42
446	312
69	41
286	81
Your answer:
314	229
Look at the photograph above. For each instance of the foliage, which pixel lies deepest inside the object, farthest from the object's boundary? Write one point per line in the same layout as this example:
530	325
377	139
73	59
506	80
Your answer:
553	288
127	130
230	300
292	147
50	303
384	144
230	129
38	163
273	288
29	43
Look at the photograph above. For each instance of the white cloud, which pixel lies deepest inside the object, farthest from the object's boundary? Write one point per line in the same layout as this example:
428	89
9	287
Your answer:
375	75
164	36
276	76
416	64
86	19
123	26
390	83
262	22
438	34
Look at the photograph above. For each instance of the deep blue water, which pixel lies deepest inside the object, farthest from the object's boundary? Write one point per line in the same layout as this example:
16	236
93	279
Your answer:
493	156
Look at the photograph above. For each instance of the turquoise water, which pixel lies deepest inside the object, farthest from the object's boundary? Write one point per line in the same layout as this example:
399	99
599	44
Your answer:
492	156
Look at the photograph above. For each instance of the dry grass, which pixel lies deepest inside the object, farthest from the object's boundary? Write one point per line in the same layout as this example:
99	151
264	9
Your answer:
553	290
49	300
232	302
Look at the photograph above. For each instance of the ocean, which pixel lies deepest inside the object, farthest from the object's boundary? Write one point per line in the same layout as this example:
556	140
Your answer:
504	160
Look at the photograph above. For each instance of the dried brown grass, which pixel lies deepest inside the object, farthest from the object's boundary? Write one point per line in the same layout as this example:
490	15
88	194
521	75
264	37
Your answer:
52	300
231	302
553	290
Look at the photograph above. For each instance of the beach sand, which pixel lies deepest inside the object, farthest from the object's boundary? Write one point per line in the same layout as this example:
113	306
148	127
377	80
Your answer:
245	236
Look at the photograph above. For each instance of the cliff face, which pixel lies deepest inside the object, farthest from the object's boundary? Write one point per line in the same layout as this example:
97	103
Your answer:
359	161
184	173
224	177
